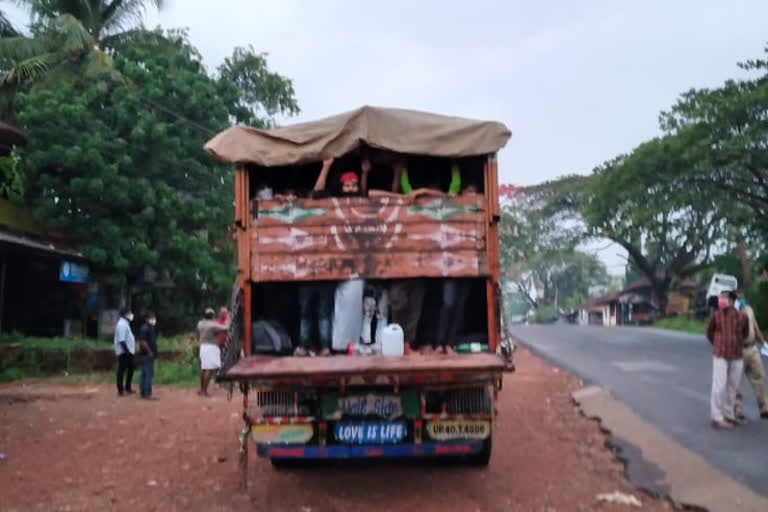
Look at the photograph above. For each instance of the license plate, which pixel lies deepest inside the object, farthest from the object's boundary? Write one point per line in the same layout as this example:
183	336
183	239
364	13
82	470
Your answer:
370	432
459	429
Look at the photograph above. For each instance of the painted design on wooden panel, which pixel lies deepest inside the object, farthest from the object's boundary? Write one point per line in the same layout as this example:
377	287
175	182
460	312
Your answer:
339	238
442	209
290	213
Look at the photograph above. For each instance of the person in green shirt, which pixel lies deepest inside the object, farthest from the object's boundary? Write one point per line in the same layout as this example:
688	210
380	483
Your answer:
403	180
407	295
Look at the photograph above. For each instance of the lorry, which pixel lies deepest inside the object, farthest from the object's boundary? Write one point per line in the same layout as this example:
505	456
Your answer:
351	405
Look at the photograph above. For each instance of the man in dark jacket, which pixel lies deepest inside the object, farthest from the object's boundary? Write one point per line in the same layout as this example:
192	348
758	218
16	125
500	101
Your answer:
148	344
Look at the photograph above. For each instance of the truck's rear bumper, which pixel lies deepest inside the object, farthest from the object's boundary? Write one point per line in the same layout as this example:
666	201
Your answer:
300	451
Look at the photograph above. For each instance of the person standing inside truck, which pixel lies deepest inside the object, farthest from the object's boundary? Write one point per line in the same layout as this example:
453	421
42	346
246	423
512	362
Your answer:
406	296
753	363
455	292
125	347
210	353
317	299
726	331
148	344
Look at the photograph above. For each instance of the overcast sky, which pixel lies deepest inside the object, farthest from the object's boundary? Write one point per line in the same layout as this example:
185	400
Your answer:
577	82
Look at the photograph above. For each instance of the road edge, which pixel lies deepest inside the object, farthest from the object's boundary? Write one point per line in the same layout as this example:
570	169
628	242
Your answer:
687	478
633	434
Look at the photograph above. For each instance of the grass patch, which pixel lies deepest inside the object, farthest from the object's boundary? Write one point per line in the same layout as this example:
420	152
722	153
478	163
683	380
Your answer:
682	323
11	374
57	343
164	343
184	373
71	359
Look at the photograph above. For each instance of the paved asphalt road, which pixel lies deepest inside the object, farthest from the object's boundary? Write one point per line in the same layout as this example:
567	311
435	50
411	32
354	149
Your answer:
665	377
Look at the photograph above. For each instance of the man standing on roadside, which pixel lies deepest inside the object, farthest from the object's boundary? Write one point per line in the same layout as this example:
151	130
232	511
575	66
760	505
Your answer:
726	331
125	347
148	344
753	363
210	353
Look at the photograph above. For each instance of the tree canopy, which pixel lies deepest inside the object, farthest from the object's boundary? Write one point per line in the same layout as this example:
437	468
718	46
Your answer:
68	39
120	168
677	201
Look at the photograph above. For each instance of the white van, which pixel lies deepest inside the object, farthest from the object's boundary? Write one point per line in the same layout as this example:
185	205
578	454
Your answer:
720	283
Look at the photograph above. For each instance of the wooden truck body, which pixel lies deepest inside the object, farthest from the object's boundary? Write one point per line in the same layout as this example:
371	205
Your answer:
353	405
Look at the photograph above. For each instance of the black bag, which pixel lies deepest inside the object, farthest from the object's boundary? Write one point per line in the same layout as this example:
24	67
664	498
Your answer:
269	338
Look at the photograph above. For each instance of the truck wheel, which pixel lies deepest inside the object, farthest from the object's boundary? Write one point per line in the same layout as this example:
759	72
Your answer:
483	457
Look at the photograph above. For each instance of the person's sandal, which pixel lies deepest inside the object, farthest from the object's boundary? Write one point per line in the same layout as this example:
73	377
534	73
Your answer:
325	352
300	352
720	425
736	422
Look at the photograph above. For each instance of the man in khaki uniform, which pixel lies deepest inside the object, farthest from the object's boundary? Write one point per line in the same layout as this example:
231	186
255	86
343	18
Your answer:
753	364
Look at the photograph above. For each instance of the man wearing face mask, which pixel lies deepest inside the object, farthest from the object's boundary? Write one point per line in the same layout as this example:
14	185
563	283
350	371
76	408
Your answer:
753	363
726	331
125	347
148	344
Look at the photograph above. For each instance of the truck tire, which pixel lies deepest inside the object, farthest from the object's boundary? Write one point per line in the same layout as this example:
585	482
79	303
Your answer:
483	457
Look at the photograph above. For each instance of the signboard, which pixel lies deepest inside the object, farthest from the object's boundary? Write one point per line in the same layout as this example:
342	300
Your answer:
372	404
373	433
281	434
70	272
459	429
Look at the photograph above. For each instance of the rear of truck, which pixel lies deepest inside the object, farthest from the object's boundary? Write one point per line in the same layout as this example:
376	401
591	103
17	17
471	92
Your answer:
350	406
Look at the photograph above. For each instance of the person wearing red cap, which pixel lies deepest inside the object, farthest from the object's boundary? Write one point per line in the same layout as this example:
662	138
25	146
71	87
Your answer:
316	298
351	185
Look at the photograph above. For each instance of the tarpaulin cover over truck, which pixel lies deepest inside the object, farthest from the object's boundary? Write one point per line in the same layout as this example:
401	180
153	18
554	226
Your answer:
398	130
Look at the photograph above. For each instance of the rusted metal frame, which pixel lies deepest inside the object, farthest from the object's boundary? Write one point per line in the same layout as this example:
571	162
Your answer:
243	235
459	385
432	416
444	380
492	251
243	452
282	420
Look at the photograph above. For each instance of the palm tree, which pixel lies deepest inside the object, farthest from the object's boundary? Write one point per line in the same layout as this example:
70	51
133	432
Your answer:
6	27
69	37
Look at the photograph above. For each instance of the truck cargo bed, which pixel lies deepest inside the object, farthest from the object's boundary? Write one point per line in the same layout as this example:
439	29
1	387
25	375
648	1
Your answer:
411	368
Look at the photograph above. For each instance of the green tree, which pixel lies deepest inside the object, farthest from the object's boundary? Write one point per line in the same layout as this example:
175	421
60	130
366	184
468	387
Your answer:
67	39
121	169
668	229
724	132
257	93
540	255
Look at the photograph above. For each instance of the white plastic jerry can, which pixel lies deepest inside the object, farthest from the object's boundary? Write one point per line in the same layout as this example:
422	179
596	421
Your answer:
392	340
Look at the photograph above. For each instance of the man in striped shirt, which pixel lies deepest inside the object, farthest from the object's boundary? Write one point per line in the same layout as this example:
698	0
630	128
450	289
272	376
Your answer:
726	332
